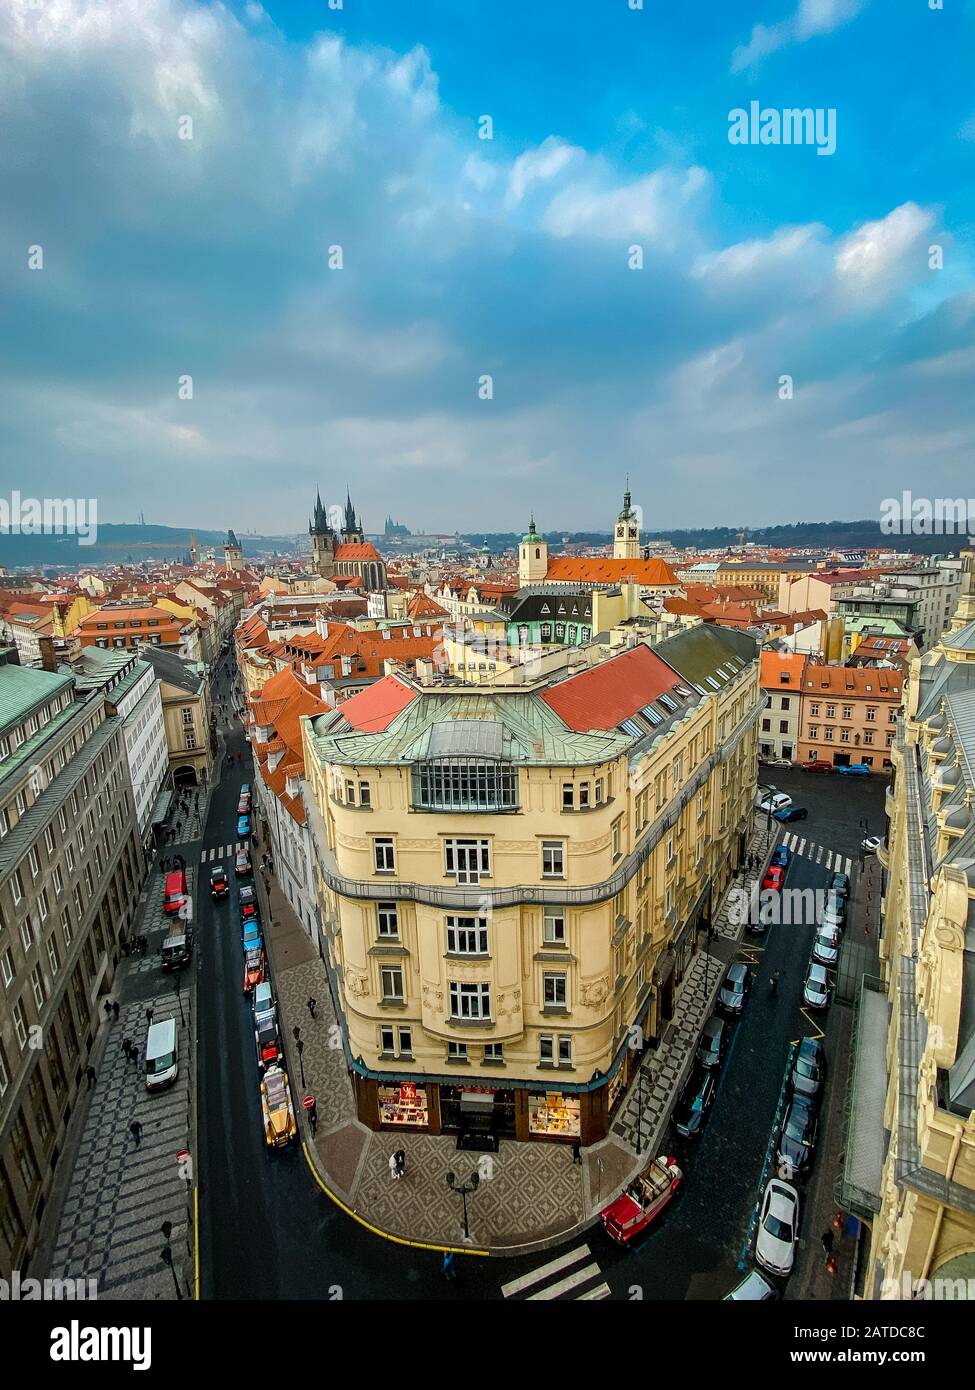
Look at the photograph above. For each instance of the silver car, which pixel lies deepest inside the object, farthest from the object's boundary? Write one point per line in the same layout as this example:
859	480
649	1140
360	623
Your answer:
732	994
826	947
778	1228
815	990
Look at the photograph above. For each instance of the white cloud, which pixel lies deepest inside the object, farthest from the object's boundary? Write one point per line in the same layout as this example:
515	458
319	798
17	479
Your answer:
539	166
787	246
811	19
654	207
880	253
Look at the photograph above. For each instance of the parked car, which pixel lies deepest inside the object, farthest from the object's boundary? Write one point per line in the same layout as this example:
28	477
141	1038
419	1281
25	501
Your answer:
776	762
253	968
772	803
834	910
808	1075
815	989
762	913
253	940
177	948
839	883
818	765
175	891
244	826
247	894
244	804
695	1101
797	1138
754	1288
778	1228
780	857
279	1116
734	990
643	1200
790	813
871	844
242	864
268	1042
219	887
826	947
245	789
714	1040
774	879
854	770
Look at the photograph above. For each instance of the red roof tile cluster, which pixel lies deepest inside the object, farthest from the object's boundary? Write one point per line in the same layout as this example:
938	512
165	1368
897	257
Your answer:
280	705
594	570
373	710
601	698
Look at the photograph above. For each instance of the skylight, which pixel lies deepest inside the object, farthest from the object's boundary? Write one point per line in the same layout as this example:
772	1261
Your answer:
653	715
683	690
630	726
667	702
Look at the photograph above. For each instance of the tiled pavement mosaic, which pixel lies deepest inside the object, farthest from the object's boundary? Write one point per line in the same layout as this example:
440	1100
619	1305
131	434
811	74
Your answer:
120	1194
761	843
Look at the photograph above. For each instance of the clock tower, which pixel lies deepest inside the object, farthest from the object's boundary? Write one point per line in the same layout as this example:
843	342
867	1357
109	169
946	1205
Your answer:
626	545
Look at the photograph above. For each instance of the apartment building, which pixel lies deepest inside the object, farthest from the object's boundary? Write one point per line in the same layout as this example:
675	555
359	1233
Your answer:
71	868
187	715
513	881
849	714
126	624
921	600
910	1170
131	689
781	680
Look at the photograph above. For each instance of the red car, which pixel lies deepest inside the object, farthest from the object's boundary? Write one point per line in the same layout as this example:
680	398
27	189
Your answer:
253	969
774	878
643	1200
818	765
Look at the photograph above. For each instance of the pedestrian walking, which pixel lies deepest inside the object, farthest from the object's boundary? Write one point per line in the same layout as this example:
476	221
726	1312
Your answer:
115	1009
827	1239
577	1153
400	1156
313	1118
108	1007
312	1005
393	1167
448	1265
135	1129
149	1013
90	1073
127	1047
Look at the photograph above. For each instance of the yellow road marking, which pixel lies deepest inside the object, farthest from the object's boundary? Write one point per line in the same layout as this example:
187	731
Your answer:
196	1243
376	1231
813	1024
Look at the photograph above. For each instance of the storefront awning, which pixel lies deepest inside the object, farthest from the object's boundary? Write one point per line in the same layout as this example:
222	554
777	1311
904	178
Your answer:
160	811
477	1102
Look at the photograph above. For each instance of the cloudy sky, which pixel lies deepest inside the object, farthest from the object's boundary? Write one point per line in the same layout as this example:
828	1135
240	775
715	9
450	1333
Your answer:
166	258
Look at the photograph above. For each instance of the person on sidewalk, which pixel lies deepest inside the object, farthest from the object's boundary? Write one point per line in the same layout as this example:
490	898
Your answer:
90	1073
400	1157
394	1172
108	1007
577	1153
312	1005
149	1014
135	1129
115	1009
127	1047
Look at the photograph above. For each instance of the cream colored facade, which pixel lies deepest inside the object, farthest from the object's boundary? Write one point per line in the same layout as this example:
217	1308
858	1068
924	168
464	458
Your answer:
922	1239
581	942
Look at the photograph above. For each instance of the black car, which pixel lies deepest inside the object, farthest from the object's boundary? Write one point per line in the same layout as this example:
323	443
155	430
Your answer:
808	1074
695	1101
714	1040
790	813
839	883
798	1137
219	887
247	894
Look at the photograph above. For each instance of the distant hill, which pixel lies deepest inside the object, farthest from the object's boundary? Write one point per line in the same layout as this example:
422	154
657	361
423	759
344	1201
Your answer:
122	543
817	535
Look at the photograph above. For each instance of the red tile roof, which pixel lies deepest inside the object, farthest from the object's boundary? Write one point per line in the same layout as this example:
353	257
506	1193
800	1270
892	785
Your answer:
373	710
360	550
604	696
590	569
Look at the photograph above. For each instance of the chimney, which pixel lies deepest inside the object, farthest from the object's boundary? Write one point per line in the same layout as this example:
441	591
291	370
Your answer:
48	659
424	670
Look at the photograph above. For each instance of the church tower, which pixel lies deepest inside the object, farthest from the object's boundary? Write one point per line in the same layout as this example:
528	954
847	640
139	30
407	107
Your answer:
352	533
233	553
626	545
532	557
322	541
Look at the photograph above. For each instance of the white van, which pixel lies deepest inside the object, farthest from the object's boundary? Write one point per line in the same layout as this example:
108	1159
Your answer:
263	1000
162	1066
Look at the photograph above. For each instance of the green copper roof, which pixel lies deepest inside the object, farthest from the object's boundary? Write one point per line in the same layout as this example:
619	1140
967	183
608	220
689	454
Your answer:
23	688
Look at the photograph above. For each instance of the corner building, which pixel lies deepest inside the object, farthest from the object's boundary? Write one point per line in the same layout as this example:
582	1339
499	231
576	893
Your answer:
514	881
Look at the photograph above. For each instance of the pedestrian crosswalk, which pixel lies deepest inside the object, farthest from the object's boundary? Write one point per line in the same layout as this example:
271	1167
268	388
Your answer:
819	854
574	1275
210	856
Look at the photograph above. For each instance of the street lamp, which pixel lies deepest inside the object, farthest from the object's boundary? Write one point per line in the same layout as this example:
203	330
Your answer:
300	1044
166	1254
465	1189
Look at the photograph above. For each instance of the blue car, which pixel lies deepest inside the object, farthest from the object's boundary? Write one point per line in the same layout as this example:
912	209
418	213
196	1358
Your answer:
253	941
790	813
243	825
780	856
853	770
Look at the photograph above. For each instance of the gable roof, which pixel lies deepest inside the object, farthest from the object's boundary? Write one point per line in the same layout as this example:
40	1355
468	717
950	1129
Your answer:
373	710
605	695
594	569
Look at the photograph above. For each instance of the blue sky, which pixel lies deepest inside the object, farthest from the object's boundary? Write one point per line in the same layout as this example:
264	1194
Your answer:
166	257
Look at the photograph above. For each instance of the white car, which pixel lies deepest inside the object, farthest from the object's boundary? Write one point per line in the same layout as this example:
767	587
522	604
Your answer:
778	1228
815	990
777	802
871	844
826	947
